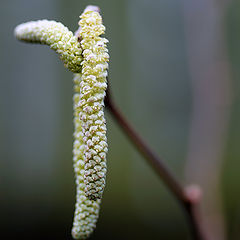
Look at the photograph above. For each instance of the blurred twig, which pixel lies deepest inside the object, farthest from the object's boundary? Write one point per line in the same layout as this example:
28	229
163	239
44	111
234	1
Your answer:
209	71
189	198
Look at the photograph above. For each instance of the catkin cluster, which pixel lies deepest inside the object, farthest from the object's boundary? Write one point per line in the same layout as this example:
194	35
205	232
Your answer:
92	93
88	60
57	36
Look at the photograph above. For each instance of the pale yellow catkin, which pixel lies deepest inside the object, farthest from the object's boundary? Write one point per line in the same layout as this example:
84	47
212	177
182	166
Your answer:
86	211
57	36
93	87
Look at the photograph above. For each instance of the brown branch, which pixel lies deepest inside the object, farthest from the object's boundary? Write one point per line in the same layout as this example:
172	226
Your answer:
188	198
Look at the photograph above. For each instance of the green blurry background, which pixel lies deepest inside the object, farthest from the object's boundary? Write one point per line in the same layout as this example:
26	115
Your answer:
151	83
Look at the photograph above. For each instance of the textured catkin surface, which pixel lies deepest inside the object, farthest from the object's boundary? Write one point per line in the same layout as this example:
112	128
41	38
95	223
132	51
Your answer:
86	211
89	63
93	87
57	36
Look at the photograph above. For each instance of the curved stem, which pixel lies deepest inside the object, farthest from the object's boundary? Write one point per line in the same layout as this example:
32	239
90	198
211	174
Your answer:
188	198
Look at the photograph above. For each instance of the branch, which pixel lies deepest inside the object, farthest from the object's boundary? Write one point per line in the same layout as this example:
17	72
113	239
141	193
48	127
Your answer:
188	198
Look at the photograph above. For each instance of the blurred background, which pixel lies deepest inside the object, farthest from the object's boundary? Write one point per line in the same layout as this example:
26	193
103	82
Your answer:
174	72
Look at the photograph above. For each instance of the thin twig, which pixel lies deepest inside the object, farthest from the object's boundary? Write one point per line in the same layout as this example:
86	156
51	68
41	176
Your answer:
188	198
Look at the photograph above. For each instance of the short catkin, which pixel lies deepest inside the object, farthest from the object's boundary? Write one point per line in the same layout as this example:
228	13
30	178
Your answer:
93	87
57	36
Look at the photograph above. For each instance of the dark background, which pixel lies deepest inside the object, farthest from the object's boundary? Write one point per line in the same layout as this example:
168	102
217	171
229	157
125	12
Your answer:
174	72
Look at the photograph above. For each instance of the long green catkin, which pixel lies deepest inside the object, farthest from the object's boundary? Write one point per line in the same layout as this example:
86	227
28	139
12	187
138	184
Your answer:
93	87
86	211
